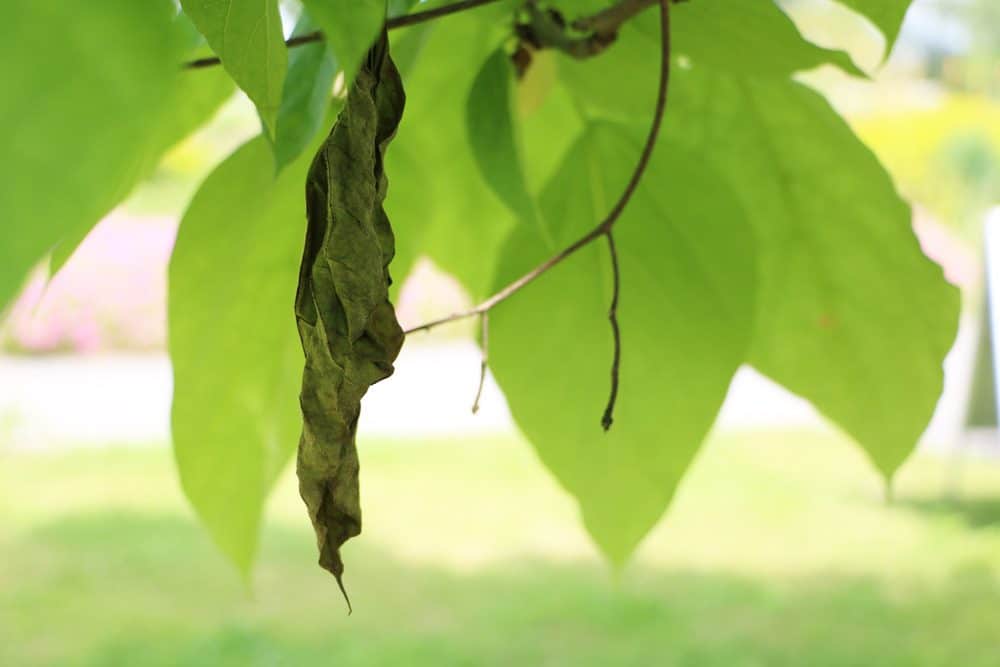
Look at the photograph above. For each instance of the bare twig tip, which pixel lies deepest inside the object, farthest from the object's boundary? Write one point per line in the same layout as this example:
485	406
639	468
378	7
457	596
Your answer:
484	319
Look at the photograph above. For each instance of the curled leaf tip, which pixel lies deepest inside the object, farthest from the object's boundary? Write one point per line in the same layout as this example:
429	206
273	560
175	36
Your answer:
343	591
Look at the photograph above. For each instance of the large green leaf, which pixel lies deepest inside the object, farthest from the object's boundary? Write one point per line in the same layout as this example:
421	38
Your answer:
350	28
464	222
247	37
492	135
193	99
686	314
75	142
749	38
306	97
236	355
887	15
400	7
851	314
409	183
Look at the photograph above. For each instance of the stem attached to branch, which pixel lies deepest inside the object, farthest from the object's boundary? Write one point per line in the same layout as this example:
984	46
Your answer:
616	332
611	19
391	24
484	344
583	37
603	229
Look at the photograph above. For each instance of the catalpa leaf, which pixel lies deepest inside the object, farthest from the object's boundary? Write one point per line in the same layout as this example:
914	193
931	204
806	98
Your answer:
75	143
346	323
306	97
749	38
686	315
492	135
851	313
752	38
192	100
466	223
247	37
349	27
236	357
887	15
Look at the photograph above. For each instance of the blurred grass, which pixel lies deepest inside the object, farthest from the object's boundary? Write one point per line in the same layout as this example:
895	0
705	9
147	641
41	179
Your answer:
778	551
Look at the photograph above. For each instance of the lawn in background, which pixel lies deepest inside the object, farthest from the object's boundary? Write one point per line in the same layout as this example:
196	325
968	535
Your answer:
779	550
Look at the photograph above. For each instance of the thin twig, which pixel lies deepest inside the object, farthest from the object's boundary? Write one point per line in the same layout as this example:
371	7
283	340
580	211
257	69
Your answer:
611	19
391	24
608	223
609	411
484	344
431	14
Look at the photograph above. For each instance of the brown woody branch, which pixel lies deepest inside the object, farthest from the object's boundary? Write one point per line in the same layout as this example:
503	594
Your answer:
585	37
391	24
609	411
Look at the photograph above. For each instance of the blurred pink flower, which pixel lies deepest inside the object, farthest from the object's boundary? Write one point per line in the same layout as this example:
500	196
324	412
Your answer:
111	294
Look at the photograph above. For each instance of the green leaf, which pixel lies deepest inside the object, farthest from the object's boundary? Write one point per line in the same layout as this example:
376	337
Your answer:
306	98
464	223
74	145
887	15
409	183
686	314
247	37
851	314
350	27
490	123
749	38
193	99
400	7
548	133
236	356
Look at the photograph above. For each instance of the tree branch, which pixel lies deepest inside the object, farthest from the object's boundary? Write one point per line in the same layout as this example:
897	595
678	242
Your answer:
484	345
611	19
391	24
609	411
584	37
606	225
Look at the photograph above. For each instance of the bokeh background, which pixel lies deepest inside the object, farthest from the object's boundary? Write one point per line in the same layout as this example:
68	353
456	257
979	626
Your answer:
779	549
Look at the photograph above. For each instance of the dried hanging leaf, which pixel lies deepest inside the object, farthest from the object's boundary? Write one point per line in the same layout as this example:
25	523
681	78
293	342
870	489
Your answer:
348	327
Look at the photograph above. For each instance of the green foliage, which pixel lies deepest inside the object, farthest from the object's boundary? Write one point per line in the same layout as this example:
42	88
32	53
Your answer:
463	223
306	98
736	45
350	27
492	139
763	232
688	275
86	125
237	361
839	317
247	36
887	15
